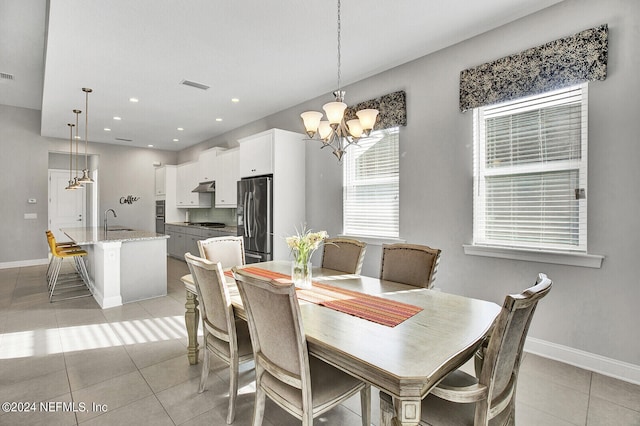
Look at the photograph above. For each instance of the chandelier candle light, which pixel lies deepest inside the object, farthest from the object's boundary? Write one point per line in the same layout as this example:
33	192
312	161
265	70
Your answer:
302	246
333	131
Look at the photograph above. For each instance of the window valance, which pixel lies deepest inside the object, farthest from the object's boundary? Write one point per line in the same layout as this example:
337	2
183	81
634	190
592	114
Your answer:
560	63
392	110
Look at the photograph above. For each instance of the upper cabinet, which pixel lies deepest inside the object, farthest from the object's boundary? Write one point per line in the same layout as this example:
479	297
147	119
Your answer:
161	177
256	154
207	164
227	176
187	179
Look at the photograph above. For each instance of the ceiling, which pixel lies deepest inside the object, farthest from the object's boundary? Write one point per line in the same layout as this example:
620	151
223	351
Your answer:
270	55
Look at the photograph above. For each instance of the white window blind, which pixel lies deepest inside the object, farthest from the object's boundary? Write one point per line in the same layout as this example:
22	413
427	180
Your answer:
371	186
530	176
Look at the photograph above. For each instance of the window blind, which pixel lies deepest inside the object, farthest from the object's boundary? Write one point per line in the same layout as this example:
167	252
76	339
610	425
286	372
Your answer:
531	160
371	186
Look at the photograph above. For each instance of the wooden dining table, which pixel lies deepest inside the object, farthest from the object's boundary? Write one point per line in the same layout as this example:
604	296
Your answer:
405	361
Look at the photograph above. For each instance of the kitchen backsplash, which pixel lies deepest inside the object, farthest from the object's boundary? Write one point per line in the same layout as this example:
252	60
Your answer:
226	216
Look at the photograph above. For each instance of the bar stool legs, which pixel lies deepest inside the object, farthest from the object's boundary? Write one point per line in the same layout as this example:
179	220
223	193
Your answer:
70	281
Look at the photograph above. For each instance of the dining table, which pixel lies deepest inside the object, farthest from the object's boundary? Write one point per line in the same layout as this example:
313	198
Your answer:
405	360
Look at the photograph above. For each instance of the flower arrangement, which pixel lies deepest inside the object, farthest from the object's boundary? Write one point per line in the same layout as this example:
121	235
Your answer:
305	243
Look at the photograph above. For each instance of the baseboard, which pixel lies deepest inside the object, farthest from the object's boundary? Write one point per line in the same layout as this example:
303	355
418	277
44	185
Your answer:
23	263
586	360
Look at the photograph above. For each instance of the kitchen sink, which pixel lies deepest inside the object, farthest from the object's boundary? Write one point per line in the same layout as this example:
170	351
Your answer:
120	229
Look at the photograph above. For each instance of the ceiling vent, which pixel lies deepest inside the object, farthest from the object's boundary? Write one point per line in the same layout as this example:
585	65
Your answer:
6	76
124	140
194	84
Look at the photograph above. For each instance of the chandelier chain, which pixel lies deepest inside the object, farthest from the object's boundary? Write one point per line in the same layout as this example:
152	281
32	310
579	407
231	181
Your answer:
339	27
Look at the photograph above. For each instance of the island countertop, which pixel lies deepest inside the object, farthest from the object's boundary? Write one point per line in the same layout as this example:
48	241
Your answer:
93	235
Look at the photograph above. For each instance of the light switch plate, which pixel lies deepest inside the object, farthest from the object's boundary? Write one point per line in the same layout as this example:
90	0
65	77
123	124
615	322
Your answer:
31	215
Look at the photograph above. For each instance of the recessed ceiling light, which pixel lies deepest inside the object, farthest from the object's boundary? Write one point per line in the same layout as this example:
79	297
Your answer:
180	129
133	100
117	118
235	100
176	140
106	129
150	146
218	119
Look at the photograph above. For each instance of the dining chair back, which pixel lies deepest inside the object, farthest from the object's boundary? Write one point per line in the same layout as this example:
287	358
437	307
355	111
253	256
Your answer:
462	399
301	384
224	335
229	250
411	264
343	254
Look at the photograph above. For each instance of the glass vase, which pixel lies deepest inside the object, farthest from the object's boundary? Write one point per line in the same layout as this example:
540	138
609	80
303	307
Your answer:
301	274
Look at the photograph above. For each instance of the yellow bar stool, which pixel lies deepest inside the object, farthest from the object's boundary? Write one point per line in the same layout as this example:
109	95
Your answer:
62	246
72	281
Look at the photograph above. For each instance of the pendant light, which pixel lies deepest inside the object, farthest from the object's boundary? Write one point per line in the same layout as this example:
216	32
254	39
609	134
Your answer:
85	172
71	185
76	183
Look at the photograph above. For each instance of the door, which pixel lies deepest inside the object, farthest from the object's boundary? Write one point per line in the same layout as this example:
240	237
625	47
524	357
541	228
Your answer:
67	208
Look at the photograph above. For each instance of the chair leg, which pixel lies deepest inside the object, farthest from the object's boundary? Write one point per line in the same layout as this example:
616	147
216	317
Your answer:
233	389
205	367
258	407
365	405
387	412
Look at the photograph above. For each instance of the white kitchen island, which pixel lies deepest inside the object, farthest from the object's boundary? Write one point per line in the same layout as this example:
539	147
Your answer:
124	265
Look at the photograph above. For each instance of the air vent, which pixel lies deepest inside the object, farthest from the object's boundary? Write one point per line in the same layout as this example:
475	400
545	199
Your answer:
124	140
6	76
194	84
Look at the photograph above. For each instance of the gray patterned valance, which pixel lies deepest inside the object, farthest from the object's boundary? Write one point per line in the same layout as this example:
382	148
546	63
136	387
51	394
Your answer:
561	63
392	110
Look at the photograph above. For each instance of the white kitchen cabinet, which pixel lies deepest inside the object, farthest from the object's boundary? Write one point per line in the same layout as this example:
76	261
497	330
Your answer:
282	154
256	154
161	178
227	176
186	181
207	164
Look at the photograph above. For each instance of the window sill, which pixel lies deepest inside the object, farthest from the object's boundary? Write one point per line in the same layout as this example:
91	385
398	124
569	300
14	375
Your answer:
374	241
560	258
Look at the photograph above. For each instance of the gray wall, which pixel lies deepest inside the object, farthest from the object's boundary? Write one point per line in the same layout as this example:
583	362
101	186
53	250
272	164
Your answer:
588	309
24	163
592	310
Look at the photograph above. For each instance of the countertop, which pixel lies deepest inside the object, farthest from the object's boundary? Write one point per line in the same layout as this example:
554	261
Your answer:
228	228
84	236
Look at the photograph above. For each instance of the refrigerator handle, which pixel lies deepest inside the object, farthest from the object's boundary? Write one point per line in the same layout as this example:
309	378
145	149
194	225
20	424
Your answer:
244	213
250	216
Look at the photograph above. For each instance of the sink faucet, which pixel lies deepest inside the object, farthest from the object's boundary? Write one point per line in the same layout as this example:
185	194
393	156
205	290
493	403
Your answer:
105	217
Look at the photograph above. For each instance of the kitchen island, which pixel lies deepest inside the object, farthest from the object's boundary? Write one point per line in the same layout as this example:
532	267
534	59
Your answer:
124	265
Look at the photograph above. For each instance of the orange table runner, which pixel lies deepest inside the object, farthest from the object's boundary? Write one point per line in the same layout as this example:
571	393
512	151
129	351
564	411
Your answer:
372	308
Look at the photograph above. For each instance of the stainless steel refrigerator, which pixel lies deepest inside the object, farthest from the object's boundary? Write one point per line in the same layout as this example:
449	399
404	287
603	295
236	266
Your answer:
254	217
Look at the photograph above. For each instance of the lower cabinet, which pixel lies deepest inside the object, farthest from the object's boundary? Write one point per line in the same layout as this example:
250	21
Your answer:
184	239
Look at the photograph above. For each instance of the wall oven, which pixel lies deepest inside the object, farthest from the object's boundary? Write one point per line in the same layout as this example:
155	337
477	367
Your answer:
160	216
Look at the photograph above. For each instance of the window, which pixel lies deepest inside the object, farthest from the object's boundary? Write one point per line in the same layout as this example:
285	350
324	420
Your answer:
371	186
530	176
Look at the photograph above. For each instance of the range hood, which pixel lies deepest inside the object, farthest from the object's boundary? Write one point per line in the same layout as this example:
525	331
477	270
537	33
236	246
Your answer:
206	187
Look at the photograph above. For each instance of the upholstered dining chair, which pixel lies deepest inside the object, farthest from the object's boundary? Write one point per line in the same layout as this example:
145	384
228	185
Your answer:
411	264
343	254
224	336
229	251
300	383
462	399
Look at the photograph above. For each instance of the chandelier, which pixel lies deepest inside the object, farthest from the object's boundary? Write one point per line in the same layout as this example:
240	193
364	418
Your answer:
85	173
334	132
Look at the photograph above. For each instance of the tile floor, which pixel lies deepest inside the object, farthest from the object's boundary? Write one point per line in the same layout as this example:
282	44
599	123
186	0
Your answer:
128	365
